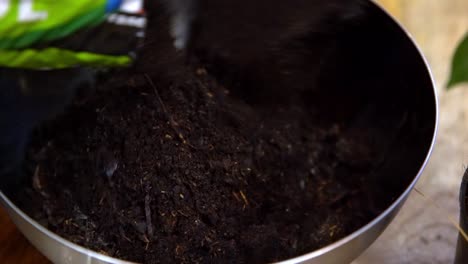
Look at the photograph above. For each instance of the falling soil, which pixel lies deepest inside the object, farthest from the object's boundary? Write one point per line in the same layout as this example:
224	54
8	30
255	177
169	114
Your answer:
155	170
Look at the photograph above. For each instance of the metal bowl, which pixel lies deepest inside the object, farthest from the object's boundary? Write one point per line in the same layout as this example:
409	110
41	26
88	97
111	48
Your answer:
402	87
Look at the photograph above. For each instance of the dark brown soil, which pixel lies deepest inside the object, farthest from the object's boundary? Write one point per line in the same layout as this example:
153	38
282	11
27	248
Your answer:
197	176
162	171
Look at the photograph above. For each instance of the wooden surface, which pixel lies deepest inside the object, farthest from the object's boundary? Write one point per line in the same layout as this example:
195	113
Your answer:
14	248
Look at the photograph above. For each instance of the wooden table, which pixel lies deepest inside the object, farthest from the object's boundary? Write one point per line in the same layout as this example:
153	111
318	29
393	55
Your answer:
14	248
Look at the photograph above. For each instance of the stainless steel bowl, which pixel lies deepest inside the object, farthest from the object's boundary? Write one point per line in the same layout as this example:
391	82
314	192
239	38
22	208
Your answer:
406	80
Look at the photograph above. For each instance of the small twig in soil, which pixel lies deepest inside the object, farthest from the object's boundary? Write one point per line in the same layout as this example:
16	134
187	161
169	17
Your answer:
166	113
332	230
122	233
157	95
342	196
178	250
236	196
149	224
244	198
37	183
102	199
182	213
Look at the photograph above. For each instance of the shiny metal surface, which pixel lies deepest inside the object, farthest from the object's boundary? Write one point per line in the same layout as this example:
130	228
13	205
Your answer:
59	250
55	248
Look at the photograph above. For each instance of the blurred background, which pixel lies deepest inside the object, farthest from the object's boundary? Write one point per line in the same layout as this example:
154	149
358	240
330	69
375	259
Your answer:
422	233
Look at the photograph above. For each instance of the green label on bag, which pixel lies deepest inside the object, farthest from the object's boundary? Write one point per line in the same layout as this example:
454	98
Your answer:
26	22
